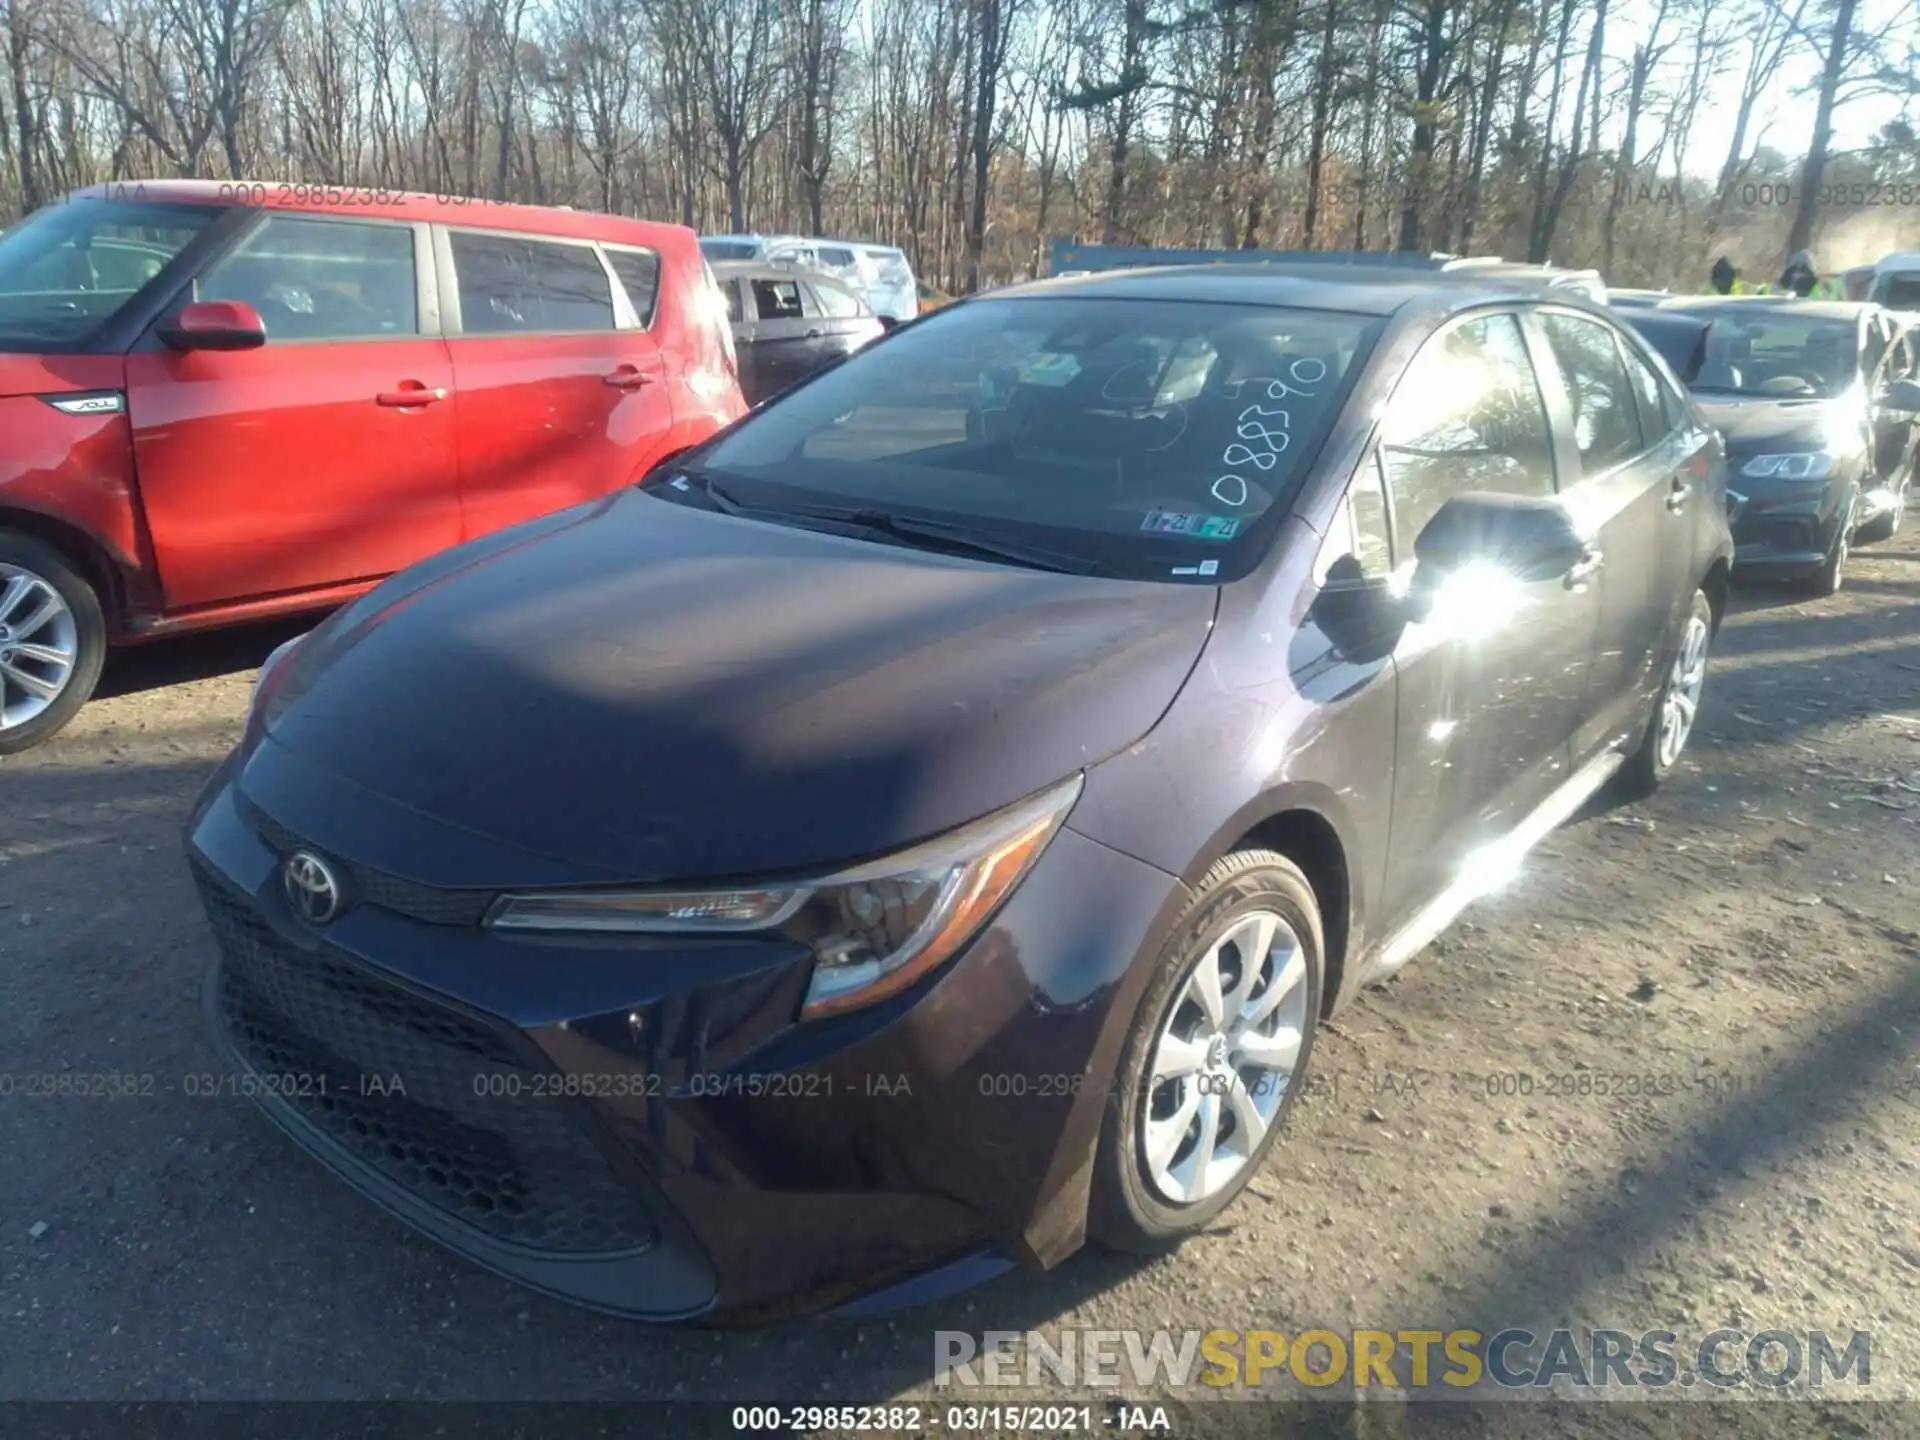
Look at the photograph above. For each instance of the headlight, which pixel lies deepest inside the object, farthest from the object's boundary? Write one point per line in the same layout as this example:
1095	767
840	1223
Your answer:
273	662
874	929
1806	465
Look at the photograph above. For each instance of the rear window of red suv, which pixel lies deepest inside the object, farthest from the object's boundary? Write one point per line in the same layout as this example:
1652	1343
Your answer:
70	267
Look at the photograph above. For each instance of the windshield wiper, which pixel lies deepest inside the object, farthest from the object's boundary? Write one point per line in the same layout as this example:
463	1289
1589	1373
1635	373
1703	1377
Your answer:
937	535
942	536
688	477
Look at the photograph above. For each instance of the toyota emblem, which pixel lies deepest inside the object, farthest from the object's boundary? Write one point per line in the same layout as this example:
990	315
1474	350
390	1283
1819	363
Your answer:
311	886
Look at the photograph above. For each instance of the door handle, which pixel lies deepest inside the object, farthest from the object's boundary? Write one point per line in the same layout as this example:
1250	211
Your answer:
814	334
1677	496
628	377
411	395
1583	570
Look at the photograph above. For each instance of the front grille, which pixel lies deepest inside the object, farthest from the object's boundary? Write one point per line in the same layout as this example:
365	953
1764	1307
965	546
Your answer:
428	904
470	1126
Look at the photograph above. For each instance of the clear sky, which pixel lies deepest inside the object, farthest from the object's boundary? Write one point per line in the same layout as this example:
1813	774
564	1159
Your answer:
1783	119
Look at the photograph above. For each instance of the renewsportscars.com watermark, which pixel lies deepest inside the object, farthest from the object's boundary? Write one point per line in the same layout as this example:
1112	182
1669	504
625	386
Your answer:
1468	1363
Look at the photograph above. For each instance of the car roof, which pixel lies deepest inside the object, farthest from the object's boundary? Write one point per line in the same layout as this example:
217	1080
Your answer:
767	270
1355	289
382	204
1819	309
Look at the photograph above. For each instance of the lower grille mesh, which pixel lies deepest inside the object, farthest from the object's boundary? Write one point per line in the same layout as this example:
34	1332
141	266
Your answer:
465	1127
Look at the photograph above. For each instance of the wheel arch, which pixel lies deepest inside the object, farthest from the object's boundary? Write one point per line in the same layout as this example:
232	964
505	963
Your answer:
1310	827
85	552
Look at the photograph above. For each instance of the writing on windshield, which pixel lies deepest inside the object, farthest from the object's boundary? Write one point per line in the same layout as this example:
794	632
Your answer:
1152	434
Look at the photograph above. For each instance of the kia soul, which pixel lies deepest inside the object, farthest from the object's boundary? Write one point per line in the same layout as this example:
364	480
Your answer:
222	402
920	830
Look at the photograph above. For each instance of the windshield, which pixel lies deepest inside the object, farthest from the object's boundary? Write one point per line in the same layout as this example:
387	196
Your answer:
729	249
1779	355
1899	291
1146	438
69	268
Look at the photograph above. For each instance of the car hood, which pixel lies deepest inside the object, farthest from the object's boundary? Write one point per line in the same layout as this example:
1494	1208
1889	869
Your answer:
1750	424
652	692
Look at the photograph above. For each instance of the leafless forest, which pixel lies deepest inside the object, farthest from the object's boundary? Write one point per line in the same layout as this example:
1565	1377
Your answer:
971	130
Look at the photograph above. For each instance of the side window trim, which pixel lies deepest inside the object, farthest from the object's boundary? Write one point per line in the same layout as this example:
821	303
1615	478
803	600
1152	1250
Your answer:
624	317
428	318
624	308
452	319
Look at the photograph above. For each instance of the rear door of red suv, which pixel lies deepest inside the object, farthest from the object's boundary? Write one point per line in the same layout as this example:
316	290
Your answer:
321	459
562	393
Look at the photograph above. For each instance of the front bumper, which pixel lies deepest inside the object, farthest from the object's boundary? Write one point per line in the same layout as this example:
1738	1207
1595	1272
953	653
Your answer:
644	1128
1790	538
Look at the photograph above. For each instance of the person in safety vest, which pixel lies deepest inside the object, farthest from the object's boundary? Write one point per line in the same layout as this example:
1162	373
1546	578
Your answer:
1725	277
1799	277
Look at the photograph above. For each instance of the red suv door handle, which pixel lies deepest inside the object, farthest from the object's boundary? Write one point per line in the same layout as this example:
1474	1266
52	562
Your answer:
628	377
410	396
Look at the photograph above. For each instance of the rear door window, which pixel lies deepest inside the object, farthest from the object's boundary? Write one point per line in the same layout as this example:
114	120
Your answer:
1606	420
1466	416
1660	410
835	302
777	300
322	279
510	285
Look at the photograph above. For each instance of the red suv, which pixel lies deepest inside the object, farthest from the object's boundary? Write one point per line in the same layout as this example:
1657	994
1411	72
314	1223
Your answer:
220	402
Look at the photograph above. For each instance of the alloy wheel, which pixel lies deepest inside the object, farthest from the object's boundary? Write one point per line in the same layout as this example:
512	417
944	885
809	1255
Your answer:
1225	1055
39	643
1682	703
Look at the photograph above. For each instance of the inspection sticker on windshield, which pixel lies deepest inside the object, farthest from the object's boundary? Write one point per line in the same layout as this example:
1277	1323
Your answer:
1194	526
1048	368
1205	567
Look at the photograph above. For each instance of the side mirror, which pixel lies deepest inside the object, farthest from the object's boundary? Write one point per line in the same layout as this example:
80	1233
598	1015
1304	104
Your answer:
1902	395
1530	537
215	325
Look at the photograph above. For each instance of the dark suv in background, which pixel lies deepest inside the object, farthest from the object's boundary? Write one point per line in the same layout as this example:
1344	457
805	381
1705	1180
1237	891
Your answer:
789	322
964	785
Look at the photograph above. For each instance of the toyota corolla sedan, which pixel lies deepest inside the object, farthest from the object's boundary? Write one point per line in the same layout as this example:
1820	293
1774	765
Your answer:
920	830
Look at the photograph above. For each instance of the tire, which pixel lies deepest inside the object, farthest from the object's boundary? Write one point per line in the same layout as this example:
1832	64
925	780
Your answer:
46	608
1130	1209
1828	578
1676	706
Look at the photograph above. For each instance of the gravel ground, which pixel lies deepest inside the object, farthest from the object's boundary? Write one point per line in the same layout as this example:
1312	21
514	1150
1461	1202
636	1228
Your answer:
1747	940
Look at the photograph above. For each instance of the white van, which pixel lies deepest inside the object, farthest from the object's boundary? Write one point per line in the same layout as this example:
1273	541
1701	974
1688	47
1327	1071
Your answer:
720	249
894	293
